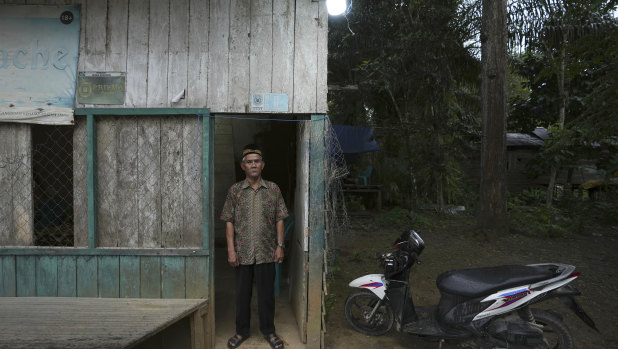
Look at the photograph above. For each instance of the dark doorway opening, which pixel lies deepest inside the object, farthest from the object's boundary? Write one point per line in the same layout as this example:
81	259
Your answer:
278	141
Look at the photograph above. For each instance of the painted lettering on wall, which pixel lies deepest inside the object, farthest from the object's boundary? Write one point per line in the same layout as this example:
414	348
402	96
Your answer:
39	51
35	58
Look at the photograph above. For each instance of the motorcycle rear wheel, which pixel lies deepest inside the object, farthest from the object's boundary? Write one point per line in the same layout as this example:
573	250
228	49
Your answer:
555	331
358	308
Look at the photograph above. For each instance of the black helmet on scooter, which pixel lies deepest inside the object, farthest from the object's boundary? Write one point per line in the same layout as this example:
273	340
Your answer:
410	242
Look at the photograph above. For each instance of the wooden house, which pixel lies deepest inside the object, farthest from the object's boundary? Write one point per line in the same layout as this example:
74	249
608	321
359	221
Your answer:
163	93
521	150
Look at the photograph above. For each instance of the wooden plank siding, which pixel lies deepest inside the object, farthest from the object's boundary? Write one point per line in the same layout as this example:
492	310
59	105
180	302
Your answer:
148	182
106	274
16	211
219	51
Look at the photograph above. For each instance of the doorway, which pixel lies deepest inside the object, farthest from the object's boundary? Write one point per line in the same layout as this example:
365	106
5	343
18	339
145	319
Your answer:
285	146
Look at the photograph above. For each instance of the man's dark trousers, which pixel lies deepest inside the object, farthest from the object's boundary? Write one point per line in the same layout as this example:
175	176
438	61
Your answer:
264	282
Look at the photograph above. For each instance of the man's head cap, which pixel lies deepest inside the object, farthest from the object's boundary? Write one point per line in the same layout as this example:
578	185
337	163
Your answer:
251	149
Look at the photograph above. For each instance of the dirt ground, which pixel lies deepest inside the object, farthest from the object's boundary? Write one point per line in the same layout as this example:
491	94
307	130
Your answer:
454	244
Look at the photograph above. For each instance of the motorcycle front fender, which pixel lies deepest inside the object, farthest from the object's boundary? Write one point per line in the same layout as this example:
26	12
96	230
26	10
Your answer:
372	282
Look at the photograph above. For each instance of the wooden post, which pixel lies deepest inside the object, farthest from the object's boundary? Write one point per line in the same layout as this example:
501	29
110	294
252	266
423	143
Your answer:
208	137
207	181
92	209
317	231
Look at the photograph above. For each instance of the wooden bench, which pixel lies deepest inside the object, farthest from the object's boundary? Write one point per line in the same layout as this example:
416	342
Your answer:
72	323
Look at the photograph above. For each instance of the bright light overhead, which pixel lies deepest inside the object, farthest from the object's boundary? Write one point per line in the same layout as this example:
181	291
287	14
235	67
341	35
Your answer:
336	7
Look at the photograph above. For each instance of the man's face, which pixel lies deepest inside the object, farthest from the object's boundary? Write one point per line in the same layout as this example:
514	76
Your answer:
252	165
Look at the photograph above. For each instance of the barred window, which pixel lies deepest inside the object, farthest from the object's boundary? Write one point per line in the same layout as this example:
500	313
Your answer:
36	185
52	171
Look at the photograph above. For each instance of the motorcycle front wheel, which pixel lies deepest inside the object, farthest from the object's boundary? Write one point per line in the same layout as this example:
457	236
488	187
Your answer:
555	331
367	314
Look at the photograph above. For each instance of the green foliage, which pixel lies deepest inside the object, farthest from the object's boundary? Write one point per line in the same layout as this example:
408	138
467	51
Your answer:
329	303
570	54
529	216
538	221
534	196
418	85
587	213
396	217
416	68
354	203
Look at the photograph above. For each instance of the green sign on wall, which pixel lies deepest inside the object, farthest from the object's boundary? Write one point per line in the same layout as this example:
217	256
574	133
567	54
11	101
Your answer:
101	88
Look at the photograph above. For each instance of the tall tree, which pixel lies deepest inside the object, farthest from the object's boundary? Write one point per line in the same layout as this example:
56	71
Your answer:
492	213
552	26
417	85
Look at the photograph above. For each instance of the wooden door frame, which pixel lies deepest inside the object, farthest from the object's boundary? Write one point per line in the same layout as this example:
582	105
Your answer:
317	230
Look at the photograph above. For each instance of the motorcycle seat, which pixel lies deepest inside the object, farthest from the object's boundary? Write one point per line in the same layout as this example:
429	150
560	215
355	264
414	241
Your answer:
483	281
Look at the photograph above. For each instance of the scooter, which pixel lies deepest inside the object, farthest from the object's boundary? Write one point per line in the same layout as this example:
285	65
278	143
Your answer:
489	307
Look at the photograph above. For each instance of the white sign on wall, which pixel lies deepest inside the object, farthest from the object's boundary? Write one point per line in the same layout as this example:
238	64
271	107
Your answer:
269	102
39	51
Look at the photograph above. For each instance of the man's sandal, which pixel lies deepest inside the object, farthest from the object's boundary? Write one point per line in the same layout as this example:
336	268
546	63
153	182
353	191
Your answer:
235	341
274	341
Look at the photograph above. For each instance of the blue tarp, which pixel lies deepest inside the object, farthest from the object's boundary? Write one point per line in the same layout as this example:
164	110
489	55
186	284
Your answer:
356	139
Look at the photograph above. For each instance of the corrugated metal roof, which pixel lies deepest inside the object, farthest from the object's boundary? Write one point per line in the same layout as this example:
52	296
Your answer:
522	140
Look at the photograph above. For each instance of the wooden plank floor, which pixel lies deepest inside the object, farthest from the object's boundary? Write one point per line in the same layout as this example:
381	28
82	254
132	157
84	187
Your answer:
64	322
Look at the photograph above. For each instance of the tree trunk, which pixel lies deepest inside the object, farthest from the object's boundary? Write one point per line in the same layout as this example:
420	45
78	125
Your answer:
492	214
561	119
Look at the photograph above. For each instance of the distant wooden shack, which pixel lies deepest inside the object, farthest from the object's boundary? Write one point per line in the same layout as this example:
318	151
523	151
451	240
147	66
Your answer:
521	149
142	199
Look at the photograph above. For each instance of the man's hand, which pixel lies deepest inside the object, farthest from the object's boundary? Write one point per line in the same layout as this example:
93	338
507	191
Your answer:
279	254
232	258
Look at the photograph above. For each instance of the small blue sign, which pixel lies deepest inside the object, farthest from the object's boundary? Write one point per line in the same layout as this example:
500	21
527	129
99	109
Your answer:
269	102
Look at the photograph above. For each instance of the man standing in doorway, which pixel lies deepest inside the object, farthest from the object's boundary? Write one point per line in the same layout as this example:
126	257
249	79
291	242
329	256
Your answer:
254	211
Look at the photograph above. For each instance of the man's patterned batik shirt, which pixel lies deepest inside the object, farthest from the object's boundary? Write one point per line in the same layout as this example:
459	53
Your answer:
254	213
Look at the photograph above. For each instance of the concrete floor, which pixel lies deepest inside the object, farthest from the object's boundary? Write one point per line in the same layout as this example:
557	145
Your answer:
225	309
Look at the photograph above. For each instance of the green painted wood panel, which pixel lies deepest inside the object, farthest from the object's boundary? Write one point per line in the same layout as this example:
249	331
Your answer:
91	178
172	277
87	276
150	277
129	277
109	277
67	276
106	276
26	276
41	251
316	231
208	141
141	111
46	276
196	270
8	285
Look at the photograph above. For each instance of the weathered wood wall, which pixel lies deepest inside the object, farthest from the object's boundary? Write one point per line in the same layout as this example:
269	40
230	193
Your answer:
220	51
114	274
149	181
16	213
